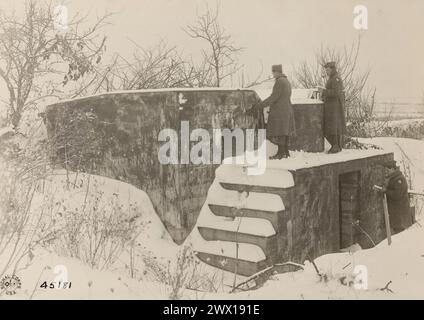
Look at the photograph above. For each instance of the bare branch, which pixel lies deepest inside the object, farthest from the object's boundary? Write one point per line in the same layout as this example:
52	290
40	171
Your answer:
33	52
222	52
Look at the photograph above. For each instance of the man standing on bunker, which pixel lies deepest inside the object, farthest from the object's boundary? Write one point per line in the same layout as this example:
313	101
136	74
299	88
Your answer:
281	117
334	105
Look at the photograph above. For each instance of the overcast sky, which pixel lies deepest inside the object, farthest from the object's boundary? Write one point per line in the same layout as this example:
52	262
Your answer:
282	31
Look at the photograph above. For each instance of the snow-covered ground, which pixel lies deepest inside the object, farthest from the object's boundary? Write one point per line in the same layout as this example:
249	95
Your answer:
402	263
86	282
399	267
45	264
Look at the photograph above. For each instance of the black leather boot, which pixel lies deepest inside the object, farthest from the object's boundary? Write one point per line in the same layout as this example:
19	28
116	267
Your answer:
334	144
286	152
337	143
279	154
340	141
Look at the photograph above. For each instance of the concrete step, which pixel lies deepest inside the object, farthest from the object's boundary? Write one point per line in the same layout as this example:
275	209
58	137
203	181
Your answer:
252	188
253	200
232	218
271	178
268	244
226	211
254	226
241	267
226	255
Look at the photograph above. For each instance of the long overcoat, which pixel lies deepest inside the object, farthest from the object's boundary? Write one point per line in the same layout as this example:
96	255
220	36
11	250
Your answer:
334	106
281	116
398	201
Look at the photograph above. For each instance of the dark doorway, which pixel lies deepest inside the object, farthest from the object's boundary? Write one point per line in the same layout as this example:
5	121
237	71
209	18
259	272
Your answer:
349	207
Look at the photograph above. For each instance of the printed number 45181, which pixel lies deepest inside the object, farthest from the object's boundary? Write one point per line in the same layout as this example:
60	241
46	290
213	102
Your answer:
56	285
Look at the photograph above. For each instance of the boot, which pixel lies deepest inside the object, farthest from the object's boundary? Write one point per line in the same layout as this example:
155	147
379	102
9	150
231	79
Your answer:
279	155
331	141
334	149
340	140
334	141
286	152
338	143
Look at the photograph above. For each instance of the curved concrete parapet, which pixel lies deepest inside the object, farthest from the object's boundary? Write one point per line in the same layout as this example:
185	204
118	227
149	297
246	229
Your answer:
116	135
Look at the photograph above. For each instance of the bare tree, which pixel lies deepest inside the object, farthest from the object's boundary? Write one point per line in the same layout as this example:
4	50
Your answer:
164	66
160	66
222	52
33	52
359	99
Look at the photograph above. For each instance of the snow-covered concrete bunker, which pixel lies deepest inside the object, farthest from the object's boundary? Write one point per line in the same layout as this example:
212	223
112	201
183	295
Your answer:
301	207
116	135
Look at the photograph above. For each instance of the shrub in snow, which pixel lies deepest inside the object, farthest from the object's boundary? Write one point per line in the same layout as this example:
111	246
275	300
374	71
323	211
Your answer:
97	229
70	216
352	143
413	128
24	221
186	272
406	128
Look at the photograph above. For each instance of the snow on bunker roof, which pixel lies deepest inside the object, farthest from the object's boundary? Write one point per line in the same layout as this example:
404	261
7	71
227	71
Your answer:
299	96
160	90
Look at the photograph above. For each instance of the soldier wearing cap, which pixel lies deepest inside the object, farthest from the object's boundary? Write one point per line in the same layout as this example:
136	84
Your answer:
396	189
334	105
281	117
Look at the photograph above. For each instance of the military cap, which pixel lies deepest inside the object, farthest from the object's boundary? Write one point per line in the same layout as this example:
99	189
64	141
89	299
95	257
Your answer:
277	68
390	164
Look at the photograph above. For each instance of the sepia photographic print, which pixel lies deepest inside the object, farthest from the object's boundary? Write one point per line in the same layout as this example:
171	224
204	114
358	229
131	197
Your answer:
202	150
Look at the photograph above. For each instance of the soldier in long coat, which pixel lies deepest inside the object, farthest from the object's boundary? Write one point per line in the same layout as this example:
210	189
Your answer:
396	189
281	117
334	108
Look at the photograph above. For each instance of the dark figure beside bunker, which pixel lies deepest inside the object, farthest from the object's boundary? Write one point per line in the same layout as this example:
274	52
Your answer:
281	117
334	105
396	189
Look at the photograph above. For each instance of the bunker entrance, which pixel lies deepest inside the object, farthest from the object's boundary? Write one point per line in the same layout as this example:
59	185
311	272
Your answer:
349	207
